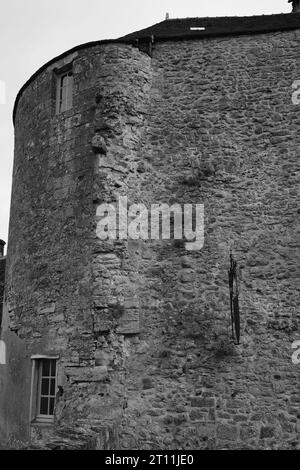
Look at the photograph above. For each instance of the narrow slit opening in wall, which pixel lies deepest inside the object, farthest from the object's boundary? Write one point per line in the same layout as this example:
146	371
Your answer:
197	28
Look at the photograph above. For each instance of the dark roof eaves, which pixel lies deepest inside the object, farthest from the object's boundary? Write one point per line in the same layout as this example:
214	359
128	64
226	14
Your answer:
222	34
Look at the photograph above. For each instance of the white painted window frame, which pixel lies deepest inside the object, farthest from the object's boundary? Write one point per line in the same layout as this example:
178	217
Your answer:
34	416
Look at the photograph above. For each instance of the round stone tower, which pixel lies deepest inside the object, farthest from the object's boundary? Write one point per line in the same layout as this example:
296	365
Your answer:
66	288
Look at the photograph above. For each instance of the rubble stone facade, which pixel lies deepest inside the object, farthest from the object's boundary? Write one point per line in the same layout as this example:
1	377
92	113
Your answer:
142	328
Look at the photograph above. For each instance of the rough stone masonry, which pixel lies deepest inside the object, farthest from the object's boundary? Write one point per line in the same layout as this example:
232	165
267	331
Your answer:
142	328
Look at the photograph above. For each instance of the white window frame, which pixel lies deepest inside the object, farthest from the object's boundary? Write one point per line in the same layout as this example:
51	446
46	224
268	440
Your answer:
35	396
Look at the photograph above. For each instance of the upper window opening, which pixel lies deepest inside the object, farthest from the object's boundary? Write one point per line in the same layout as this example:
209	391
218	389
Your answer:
64	97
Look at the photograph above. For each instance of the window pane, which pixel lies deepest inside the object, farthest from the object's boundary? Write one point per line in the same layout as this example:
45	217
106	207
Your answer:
69	93
45	387
51	408
52	387
64	81
46	368
63	98
44	406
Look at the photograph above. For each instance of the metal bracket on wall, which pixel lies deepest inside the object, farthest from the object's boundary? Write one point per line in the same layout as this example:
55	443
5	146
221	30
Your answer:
145	44
234	299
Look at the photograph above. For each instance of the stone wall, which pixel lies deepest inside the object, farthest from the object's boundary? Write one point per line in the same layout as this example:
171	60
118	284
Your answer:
143	327
222	130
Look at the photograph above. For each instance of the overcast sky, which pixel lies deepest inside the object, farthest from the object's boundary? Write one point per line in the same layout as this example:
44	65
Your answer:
34	31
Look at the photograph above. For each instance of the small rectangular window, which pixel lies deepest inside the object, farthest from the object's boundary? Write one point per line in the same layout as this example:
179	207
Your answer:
47	379
43	389
64	92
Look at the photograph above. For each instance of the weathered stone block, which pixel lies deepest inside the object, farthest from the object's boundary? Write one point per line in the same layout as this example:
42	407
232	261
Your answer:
198	415
147	383
129	323
267	432
226	432
47	310
102	358
203	402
